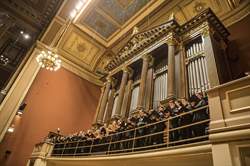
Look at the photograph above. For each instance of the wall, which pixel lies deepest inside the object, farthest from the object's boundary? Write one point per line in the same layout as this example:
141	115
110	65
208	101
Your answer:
240	51
55	100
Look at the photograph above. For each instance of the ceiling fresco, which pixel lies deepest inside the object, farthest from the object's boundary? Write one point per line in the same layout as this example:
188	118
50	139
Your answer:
122	10
104	27
107	16
100	24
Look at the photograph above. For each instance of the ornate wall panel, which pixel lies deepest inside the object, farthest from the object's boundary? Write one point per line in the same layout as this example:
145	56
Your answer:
55	26
81	49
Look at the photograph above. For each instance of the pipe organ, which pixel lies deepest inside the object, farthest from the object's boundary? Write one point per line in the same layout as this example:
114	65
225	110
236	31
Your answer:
158	75
196	67
114	105
160	84
134	99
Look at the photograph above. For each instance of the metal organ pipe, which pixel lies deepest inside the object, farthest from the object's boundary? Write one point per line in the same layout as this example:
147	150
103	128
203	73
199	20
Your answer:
194	76
201	74
205	66
189	79
197	69
197	75
163	86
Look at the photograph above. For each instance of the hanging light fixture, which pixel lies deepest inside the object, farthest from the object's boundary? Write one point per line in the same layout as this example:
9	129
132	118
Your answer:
4	60
49	58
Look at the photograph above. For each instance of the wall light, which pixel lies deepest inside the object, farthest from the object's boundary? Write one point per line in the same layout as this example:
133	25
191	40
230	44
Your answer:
26	36
79	5
11	129
73	13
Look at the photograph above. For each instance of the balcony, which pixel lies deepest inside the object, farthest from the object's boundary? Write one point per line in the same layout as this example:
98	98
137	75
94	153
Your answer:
226	134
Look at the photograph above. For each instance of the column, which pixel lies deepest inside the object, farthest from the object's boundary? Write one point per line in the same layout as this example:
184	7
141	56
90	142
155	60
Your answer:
121	92
182	88
141	95
222	154
104	101
213	77
110	106
149	89
171	68
127	96
98	106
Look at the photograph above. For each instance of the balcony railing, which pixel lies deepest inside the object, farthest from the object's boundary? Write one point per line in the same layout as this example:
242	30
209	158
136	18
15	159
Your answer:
161	134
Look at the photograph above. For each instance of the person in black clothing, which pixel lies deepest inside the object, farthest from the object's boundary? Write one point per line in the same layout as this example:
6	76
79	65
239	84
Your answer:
163	114
142	120
186	119
199	101
153	117
183	120
127	126
174	135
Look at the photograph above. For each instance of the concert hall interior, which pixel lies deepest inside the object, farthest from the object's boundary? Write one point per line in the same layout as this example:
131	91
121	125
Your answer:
124	82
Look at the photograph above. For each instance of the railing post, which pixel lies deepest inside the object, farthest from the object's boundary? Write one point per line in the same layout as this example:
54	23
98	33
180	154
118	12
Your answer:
91	146
64	146
134	140
109	144
77	143
168	134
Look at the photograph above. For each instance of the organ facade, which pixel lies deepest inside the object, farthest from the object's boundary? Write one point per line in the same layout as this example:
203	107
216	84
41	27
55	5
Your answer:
165	62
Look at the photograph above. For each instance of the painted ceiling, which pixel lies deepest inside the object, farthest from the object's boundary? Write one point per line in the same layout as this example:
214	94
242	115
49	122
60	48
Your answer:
107	16
104	27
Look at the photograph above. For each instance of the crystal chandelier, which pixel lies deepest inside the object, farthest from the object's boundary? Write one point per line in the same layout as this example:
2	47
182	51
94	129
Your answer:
4	60
49	60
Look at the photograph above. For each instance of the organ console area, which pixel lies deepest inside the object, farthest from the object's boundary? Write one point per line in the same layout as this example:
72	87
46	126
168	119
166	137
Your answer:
165	62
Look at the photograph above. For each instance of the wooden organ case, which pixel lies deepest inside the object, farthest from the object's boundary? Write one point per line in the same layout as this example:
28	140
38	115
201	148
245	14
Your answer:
164	62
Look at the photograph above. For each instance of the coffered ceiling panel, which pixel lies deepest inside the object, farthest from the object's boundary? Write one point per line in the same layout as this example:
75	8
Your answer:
121	10
80	48
100	24
107	16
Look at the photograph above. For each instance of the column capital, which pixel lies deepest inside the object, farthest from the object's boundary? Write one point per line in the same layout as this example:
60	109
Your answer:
171	40
102	89
206	31
111	80
128	70
147	57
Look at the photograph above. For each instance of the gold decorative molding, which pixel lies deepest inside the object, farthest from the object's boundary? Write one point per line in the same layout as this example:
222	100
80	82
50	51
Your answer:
128	70
172	41
205	32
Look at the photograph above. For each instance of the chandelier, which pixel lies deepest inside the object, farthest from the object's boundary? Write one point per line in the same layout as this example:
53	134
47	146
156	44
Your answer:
4	60
49	60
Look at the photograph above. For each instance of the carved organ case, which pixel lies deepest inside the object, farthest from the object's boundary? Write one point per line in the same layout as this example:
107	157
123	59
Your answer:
167	61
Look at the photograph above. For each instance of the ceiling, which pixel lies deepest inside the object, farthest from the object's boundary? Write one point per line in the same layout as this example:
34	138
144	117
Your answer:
103	28
108	16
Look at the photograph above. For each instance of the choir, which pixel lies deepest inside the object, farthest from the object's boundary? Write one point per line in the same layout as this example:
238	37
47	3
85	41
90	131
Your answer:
173	125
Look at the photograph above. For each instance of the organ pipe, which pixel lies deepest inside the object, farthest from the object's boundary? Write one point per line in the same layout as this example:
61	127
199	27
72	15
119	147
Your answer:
196	69
197	75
